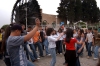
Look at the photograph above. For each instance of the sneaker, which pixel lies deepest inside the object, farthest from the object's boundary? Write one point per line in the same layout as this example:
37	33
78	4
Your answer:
95	58
49	55
60	53
38	58
88	57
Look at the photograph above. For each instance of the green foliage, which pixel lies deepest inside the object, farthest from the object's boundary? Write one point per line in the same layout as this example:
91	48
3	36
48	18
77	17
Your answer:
76	10
4	27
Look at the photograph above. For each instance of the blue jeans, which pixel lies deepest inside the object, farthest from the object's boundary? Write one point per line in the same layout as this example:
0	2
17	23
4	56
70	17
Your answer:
30	63
30	53
96	53
53	55
34	51
89	49
39	47
45	43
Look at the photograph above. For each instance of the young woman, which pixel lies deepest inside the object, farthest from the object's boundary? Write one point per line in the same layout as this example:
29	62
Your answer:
80	47
70	48
52	45
4	45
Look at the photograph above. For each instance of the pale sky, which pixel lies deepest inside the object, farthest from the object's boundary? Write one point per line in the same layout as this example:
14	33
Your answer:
48	6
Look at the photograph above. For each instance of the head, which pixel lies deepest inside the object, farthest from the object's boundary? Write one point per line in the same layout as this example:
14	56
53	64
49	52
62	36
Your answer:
75	30
23	26
29	28
69	35
80	31
89	30
16	30
60	30
49	31
95	30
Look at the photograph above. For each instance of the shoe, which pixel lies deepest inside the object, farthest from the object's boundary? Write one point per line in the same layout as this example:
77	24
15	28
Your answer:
60	53
95	58
41	56
48	54
88	57
38	58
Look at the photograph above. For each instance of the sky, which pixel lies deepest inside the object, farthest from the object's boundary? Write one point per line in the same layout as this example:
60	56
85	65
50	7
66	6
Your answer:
47	6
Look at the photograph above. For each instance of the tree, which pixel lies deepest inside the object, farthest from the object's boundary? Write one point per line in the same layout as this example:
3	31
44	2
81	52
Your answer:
4	27
78	10
62	10
90	11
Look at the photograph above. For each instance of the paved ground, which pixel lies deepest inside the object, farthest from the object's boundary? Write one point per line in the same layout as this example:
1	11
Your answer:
45	61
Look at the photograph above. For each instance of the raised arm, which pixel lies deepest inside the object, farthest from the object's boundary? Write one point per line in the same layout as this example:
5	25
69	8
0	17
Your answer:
31	34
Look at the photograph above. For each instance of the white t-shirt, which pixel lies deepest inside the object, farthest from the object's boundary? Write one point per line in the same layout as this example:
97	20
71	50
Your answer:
59	35
89	37
52	40
30	41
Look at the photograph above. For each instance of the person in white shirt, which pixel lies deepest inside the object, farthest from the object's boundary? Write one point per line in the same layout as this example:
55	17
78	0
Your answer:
59	42
52	44
89	39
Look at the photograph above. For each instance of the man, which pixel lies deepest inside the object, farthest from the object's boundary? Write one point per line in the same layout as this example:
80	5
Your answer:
90	41
97	44
15	44
37	42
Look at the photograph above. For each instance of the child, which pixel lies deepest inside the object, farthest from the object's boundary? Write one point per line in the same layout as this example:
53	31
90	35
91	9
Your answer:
52	45
15	44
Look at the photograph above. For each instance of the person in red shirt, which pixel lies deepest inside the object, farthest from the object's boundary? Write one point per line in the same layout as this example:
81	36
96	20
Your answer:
70	54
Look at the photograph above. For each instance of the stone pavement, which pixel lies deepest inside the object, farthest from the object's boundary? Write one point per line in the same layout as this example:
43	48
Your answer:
45	61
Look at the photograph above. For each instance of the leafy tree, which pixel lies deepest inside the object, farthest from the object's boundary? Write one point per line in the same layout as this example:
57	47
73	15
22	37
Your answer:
4	27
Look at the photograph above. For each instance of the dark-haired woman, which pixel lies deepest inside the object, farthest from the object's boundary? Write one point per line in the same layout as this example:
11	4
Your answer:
4	45
70	48
52	45
80	47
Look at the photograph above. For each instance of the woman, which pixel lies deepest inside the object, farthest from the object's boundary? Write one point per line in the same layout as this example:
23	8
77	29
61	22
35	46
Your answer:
70	48
4	44
80	47
52	45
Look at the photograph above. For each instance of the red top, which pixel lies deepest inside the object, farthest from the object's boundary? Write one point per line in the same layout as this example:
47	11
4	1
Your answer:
71	45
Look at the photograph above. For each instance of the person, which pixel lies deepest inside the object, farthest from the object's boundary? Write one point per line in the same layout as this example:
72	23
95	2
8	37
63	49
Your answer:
96	44
37	42
80	47
90	41
31	48
4	46
59	42
15	44
70	48
52	45
1	55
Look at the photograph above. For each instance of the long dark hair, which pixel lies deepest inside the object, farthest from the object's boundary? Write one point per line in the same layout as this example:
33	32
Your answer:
6	35
69	35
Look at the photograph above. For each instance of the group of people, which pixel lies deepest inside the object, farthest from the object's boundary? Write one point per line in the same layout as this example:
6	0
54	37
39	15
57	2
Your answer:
17	44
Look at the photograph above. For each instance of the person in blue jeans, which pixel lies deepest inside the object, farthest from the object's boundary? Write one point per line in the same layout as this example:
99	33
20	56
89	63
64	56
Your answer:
96	44
52	45
90	41
80	47
15	44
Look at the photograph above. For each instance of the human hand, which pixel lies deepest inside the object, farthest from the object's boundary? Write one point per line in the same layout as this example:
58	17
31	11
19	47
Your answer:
79	51
37	22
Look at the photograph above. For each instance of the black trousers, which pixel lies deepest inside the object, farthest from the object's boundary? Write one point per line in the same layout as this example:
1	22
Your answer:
70	57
